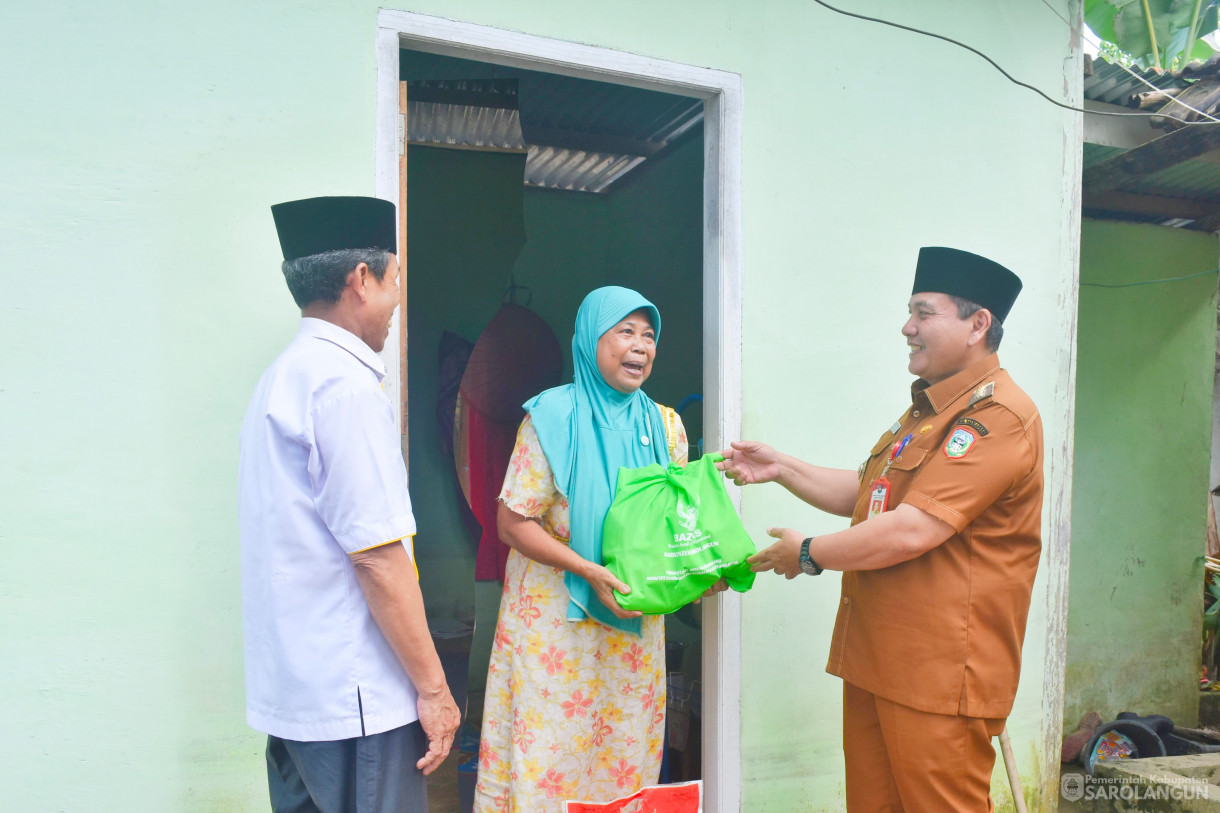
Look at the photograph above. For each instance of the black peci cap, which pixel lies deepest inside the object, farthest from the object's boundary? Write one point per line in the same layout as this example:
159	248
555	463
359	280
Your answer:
318	225
960	273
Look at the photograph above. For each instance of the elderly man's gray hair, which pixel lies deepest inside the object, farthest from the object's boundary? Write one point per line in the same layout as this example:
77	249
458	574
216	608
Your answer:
320	277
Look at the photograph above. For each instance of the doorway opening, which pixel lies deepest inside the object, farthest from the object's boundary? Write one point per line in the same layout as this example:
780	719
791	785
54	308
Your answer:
528	173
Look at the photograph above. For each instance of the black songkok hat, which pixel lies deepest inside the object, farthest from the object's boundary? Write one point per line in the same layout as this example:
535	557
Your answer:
960	273
318	225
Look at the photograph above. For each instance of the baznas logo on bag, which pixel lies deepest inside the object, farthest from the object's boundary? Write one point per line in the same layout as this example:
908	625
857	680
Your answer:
688	515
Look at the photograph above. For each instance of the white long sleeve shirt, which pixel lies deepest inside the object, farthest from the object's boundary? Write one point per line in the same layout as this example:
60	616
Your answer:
321	477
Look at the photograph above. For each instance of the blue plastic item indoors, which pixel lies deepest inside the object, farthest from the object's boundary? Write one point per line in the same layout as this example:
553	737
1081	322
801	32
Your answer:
696	449
468	738
467	776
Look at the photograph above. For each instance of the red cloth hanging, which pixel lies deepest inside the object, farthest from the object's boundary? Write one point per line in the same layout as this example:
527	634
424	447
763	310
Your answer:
491	447
516	357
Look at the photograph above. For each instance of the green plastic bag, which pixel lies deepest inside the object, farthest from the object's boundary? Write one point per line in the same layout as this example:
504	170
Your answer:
671	532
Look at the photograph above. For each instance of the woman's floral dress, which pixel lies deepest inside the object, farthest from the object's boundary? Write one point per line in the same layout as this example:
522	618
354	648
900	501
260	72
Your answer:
574	710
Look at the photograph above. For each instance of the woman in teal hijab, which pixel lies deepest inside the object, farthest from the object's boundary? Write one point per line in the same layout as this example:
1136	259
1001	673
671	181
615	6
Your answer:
601	422
575	695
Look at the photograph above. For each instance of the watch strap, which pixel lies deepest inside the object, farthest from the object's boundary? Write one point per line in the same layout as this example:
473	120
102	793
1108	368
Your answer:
807	564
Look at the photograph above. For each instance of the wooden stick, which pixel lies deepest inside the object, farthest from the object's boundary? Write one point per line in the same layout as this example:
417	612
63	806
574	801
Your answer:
1150	99
1213	536
1014	779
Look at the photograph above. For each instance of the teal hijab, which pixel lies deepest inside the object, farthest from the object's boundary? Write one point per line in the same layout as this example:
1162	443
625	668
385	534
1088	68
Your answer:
588	431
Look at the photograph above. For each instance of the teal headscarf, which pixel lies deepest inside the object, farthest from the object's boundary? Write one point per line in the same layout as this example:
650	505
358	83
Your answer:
588	431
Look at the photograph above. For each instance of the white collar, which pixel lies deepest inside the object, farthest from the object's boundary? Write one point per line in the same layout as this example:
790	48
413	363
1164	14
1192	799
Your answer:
329	331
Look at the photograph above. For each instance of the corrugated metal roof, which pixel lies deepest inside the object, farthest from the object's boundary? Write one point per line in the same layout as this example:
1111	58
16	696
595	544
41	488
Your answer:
1184	194
1115	85
1096	153
1191	180
576	170
464	125
581	135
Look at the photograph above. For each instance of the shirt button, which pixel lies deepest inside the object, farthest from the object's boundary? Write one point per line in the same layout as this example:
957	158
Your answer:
846	601
644	439
915	414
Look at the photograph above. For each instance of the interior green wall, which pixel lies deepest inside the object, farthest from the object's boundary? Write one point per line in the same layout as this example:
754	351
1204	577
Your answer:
1143	453
457	278
141	299
656	225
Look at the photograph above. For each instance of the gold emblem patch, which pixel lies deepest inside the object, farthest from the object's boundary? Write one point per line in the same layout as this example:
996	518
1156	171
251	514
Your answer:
982	392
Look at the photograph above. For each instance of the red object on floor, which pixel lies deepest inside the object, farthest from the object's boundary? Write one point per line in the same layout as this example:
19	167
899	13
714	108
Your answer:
686	797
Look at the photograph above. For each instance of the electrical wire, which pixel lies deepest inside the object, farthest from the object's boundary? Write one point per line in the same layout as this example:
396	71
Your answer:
1148	281
1097	44
1006	74
1055	11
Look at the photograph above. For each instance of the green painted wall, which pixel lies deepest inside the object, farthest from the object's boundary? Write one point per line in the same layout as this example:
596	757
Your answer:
141	300
1143	453
839	196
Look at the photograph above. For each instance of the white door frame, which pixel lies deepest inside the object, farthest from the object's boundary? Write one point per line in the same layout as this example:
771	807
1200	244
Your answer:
722	285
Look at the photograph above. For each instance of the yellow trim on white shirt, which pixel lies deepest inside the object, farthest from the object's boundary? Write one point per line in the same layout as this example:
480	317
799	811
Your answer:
410	550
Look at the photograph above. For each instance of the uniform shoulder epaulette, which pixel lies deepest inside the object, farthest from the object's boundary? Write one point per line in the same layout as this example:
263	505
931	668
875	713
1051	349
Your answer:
982	392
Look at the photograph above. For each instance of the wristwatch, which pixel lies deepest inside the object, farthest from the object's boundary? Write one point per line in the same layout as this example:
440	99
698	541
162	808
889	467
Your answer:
807	564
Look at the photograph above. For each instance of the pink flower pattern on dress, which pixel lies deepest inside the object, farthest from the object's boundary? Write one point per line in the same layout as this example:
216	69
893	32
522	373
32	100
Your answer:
487	755
601	729
526	610
625	775
578	706
634	657
552	659
552	783
522	736
573	710
649	696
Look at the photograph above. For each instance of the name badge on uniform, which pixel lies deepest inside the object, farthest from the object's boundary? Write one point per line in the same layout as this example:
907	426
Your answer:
879	499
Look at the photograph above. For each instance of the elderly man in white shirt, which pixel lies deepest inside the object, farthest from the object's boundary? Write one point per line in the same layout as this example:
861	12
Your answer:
341	671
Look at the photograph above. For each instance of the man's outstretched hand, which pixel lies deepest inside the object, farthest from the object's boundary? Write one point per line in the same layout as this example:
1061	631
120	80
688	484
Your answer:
784	556
747	462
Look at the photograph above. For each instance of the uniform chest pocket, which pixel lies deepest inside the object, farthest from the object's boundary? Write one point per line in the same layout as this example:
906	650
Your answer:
887	440
902	472
909	461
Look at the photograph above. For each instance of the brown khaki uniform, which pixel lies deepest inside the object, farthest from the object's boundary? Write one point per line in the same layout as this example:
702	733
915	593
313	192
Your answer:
941	634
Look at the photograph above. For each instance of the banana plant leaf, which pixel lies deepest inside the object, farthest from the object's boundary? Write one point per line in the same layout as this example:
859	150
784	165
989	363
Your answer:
1211	618
1125	24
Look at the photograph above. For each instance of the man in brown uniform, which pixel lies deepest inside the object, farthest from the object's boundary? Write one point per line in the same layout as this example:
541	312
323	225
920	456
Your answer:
940	558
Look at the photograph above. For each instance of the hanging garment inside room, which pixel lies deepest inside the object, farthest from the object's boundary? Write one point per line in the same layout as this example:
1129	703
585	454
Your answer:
516	357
